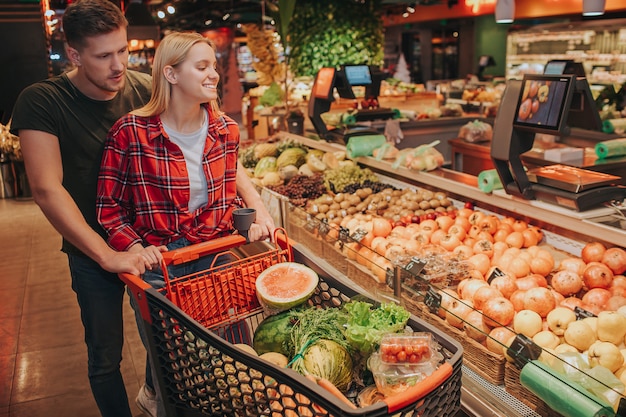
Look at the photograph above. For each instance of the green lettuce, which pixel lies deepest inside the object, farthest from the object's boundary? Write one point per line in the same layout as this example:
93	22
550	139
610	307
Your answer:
366	326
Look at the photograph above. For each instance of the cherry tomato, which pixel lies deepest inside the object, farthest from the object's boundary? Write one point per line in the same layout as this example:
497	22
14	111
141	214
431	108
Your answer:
414	358
401	356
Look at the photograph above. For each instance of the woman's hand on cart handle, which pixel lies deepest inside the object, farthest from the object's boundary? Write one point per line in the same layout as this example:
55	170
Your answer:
263	227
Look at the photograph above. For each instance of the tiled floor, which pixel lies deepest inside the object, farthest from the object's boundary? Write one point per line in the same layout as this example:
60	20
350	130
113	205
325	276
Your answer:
43	359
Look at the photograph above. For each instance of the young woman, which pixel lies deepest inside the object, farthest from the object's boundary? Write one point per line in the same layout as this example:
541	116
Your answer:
169	175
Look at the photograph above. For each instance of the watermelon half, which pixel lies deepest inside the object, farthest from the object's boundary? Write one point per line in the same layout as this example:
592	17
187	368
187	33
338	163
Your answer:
286	285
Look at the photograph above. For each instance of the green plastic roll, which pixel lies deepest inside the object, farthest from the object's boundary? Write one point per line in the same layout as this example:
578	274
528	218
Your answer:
364	145
565	397
489	180
611	148
348	119
610	125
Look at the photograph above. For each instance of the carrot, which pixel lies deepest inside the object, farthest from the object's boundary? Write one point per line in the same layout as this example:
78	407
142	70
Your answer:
330	387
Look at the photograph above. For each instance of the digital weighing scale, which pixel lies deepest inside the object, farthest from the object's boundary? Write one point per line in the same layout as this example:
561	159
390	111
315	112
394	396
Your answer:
343	80
551	104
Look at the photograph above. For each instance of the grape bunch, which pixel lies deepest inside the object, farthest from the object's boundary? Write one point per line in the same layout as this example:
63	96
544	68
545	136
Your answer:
376	186
301	188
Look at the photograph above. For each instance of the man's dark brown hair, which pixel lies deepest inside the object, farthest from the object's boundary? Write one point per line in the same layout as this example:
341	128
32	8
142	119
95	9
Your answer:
86	18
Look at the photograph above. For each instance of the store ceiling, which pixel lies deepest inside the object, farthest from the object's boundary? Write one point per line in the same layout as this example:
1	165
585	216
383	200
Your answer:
198	14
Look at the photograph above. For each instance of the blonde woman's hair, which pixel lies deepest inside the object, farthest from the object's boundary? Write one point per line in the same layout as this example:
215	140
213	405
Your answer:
172	51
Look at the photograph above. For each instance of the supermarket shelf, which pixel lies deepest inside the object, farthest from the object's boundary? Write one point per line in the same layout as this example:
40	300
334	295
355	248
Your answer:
567	223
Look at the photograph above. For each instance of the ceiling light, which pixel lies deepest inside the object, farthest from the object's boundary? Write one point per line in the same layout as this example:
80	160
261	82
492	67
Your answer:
161	14
410	9
505	11
226	16
171	9
405	14
593	7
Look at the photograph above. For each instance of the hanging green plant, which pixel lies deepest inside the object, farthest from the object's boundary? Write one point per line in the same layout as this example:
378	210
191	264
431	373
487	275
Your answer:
328	33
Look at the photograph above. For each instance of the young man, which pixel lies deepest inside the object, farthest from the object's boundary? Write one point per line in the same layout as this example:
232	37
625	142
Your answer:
62	124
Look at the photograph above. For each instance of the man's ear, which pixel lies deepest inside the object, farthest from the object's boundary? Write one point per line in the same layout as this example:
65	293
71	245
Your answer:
73	55
170	74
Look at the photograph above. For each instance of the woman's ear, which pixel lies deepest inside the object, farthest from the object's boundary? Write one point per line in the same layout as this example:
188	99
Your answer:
170	74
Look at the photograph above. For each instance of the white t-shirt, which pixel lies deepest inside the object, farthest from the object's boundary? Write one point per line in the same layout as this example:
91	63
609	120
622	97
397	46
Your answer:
192	146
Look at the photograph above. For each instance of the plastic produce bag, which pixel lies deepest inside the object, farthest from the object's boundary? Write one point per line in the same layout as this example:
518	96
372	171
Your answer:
476	131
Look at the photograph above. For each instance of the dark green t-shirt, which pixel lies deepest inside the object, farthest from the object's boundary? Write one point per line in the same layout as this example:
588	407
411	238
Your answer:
81	125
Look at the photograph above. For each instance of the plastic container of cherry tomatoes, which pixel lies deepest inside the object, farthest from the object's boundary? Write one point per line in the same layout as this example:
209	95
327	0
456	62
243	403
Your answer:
413	348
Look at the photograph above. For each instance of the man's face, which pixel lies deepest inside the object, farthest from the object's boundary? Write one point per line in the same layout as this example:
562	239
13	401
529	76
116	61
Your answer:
102	62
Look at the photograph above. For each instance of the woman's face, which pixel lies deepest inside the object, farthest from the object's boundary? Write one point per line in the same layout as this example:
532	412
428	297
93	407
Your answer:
196	76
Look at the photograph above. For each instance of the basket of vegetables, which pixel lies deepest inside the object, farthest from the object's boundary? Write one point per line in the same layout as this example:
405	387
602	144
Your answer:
311	350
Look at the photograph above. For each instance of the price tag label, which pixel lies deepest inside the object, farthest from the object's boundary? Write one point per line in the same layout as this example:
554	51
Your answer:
344	234
359	234
432	299
323	228
523	350
415	266
581	313
496	272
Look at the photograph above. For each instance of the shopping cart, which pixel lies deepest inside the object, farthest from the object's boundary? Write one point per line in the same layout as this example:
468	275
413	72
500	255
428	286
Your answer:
202	374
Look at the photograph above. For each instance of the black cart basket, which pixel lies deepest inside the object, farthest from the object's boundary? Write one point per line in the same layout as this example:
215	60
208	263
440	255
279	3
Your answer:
201	374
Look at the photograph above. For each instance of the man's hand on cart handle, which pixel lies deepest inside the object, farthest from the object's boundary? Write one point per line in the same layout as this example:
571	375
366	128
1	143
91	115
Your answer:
151	254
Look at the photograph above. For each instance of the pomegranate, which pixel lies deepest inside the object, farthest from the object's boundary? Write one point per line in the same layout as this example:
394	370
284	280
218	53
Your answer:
506	284
526	283
566	282
539	300
498	311
597	275
457	312
517	298
593	252
571	302
597	298
475	326
483	294
615	302
615	259
469	288
497	338
573	264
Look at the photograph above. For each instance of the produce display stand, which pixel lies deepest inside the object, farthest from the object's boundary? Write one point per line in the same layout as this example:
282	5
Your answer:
491	376
200	373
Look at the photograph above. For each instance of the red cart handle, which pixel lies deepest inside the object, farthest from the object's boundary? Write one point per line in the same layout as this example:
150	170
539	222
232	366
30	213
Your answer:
137	288
419	390
198	250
